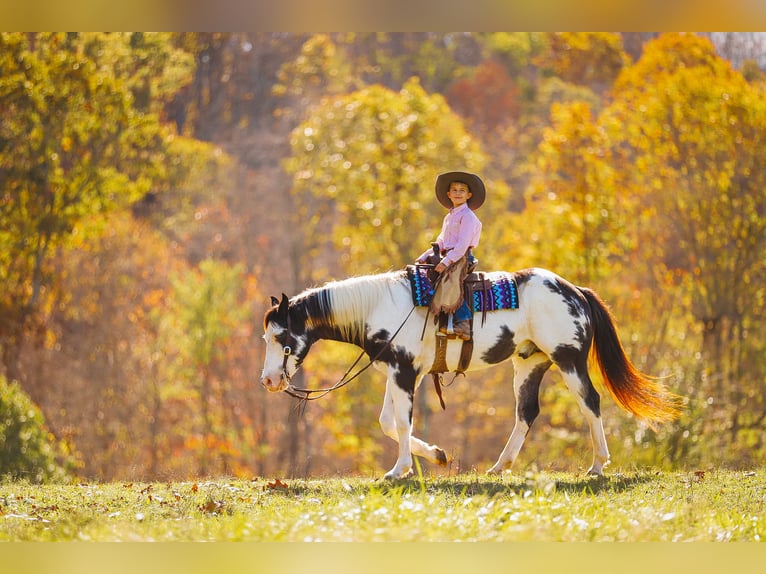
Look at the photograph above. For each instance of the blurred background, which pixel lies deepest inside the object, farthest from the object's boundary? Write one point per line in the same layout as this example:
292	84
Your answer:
157	188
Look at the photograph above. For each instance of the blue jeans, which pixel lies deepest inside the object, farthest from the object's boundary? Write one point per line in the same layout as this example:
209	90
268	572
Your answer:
463	313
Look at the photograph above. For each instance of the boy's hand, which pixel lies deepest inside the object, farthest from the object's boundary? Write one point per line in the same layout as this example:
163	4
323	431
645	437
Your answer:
440	267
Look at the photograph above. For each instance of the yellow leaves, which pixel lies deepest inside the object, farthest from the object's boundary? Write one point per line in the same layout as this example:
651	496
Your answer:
581	57
681	112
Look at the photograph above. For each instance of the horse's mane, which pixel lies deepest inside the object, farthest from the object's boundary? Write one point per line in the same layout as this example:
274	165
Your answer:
346	303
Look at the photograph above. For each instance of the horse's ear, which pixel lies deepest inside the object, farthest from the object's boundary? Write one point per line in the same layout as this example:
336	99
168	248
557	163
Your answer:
274	301
283	305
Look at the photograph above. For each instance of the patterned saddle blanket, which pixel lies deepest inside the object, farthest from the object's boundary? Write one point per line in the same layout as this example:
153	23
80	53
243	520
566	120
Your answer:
482	294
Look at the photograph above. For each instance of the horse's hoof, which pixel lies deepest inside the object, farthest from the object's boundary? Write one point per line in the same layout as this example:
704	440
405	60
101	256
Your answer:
391	475
499	469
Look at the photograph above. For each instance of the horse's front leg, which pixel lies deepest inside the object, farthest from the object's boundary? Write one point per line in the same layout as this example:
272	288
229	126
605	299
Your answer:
396	422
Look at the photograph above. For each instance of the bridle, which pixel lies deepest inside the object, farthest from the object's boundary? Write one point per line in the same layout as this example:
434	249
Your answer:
305	394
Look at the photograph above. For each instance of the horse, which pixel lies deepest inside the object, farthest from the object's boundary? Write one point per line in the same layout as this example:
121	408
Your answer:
556	323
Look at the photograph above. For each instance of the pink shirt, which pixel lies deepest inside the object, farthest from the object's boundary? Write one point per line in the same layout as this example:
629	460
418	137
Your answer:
461	230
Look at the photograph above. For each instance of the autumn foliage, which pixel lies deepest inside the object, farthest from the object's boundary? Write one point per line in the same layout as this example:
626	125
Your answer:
157	189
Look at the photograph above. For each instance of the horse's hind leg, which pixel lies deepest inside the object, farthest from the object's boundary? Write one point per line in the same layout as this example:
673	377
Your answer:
396	422
577	379
529	371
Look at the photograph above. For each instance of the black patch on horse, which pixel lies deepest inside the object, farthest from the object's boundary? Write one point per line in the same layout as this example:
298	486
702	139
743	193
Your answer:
571	296
528	399
570	359
578	308
523	276
502	349
377	345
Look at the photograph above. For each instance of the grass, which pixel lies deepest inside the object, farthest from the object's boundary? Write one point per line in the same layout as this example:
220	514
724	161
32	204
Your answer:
637	506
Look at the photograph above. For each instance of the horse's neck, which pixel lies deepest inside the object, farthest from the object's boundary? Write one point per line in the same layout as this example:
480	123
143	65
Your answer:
346	307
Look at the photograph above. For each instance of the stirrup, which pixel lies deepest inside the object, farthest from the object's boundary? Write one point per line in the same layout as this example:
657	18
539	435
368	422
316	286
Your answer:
449	329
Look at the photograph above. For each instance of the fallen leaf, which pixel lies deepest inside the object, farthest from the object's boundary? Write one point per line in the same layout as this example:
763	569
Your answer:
211	506
275	484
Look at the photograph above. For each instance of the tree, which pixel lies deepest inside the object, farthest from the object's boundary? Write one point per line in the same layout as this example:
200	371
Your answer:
571	199
97	372
697	141
489	100
391	59
230	97
692	131
590	59
28	450
207	311
319	70
373	156
74	143
515	49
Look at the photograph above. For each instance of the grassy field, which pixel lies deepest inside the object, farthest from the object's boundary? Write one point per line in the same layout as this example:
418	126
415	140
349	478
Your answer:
637	506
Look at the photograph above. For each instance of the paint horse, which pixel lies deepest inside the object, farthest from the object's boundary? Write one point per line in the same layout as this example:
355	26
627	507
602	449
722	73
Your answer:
556	323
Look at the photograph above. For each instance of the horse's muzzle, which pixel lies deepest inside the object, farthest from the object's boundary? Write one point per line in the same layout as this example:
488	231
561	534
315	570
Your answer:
274	384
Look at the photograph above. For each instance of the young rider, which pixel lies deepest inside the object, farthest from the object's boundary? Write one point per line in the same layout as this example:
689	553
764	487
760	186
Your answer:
462	193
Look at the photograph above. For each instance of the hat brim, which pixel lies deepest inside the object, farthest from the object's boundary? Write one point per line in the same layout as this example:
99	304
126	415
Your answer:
474	183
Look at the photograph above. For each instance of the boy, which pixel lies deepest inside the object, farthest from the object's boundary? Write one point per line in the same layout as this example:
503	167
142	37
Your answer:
461	193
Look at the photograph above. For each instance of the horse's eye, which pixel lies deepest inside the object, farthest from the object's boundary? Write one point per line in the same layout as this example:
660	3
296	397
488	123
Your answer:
284	340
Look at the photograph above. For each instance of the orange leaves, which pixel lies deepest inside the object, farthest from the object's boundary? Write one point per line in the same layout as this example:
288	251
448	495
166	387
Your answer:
490	99
211	506
275	484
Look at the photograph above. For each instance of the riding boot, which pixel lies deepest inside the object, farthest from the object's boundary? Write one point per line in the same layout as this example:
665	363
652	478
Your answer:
462	329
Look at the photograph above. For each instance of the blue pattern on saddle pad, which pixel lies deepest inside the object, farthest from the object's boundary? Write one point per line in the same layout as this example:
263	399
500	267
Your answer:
502	294
422	291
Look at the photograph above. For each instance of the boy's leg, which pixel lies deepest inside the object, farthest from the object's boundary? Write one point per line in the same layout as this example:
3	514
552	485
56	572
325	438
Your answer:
462	322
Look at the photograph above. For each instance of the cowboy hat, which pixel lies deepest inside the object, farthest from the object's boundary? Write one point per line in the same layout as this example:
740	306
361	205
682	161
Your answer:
474	183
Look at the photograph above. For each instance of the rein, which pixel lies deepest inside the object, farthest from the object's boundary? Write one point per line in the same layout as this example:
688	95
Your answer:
314	394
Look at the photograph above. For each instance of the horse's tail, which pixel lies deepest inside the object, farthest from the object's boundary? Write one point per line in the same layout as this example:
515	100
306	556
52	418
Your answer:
644	396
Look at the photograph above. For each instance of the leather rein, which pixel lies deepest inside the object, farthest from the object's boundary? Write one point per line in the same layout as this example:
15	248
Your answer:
305	394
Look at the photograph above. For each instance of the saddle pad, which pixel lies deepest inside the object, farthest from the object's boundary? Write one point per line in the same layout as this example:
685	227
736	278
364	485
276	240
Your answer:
500	294
422	291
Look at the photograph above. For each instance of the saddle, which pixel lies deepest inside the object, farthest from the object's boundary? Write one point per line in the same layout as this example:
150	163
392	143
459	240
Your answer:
444	294
483	294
